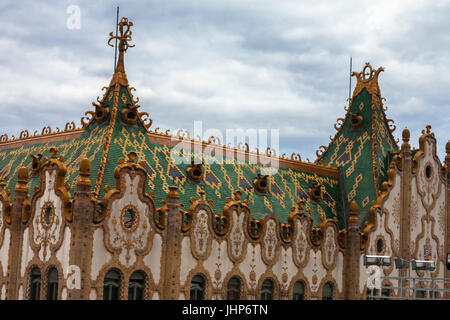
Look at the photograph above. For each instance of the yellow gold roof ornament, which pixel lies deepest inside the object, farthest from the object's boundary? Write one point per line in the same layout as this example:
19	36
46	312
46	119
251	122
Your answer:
124	37
367	78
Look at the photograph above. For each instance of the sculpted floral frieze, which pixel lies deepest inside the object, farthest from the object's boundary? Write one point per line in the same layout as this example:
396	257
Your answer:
329	247
201	234
300	242
237	237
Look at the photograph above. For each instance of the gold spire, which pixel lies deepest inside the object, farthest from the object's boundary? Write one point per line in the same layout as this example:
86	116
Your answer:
124	37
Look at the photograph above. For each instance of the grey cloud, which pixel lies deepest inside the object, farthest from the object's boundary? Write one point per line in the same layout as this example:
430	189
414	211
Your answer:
249	64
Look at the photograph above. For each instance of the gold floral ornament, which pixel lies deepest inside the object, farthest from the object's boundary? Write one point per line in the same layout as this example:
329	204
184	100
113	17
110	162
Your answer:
261	183
195	171
124	37
130	113
160	215
356	119
189	214
35	162
287	229
5	197
316	191
255	228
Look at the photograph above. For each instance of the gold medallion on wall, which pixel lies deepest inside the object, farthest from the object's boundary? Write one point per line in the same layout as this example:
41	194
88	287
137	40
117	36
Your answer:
129	218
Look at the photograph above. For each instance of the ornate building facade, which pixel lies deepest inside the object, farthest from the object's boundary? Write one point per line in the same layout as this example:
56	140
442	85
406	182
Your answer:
104	211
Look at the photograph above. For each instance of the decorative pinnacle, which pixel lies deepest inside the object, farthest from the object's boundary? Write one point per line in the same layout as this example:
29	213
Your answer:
237	195
22	179
405	135
53	152
301	204
85	172
173	194
353	212
405	138
131	157
124	38
202	194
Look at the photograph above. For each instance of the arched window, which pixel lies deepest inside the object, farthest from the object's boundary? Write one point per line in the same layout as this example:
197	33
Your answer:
234	289
371	293
52	284
420	294
197	288
327	291
136	286
267	290
35	284
380	245
111	286
385	292
433	294
299	291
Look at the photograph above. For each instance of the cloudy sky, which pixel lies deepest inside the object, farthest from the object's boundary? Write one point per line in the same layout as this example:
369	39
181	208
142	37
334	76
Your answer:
233	64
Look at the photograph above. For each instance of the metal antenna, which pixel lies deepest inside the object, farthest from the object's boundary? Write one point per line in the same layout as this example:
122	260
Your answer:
115	48
350	83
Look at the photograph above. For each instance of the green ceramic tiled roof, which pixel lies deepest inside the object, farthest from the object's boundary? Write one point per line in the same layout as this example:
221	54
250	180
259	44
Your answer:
88	145
219	181
352	150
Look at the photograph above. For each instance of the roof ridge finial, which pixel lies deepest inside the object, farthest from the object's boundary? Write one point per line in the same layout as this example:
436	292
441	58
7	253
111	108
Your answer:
124	37
367	78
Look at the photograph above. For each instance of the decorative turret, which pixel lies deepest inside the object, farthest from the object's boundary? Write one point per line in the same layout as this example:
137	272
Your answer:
117	110
363	143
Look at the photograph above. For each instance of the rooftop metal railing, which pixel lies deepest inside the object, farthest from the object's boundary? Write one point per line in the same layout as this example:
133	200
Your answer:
411	288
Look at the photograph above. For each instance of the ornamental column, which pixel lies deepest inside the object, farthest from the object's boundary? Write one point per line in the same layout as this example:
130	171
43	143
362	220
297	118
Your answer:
78	280
20	205
405	209
352	255
172	248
